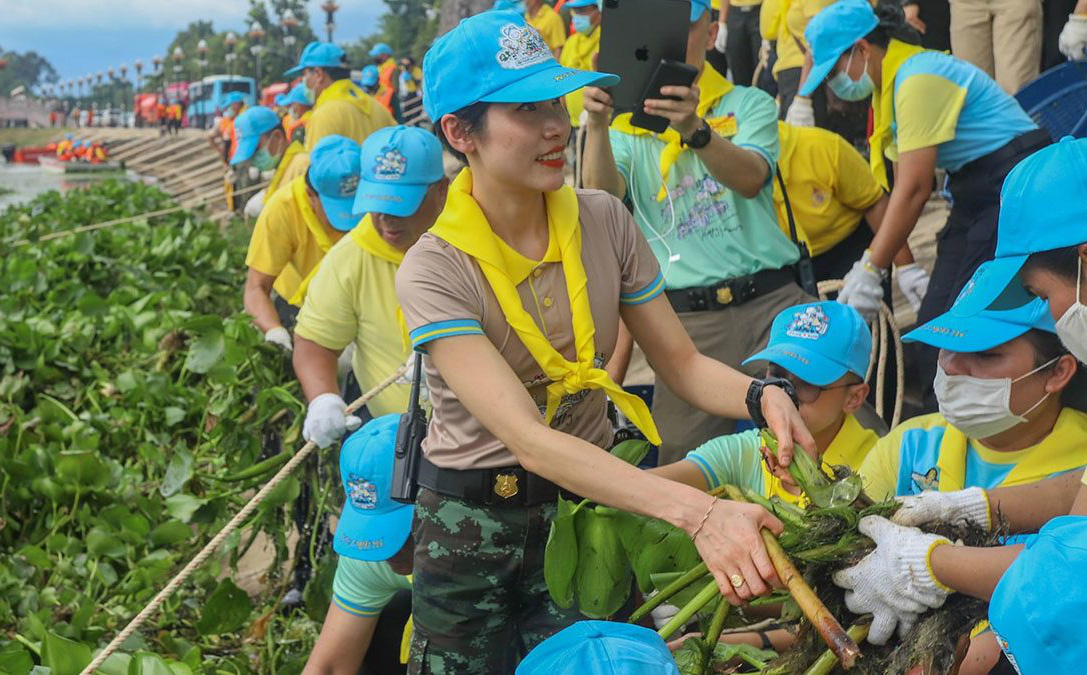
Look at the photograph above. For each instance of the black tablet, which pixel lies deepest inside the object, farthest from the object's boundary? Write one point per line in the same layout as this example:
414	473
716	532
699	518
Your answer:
635	35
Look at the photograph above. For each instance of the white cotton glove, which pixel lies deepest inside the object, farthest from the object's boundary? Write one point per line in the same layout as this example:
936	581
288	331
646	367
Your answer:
279	337
254	205
764	53
894	582
343	362
970	505
722	38
1073	39
327	420
913	282
862	289
800	113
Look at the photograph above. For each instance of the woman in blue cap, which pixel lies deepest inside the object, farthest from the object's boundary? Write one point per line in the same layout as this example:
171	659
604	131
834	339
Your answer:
932	111
515	296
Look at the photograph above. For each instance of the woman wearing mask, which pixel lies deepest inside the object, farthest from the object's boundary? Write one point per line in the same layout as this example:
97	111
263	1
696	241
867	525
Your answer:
515	296
1042	250
931	111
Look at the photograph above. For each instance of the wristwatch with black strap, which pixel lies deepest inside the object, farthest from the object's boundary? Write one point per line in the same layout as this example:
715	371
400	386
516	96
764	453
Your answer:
700	138
754	397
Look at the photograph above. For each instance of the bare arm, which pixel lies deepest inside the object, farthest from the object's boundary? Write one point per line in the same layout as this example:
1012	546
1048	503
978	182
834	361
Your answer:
682	472
1028	507
874	217
729	540
620	358
974	571
315	368
258	300
342	644
913	185
598	163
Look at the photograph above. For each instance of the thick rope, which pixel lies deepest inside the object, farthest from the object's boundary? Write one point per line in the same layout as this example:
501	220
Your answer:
227	530
128	219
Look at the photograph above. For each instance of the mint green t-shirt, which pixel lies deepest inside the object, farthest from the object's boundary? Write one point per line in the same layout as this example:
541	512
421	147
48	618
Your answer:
363	588
716	233
733	459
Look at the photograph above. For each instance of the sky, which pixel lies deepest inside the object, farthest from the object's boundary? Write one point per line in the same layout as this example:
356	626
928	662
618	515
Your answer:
83	36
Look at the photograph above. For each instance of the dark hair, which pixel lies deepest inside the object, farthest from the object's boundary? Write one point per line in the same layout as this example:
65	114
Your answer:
892	25
1047	347
471	118
1062	262
337	72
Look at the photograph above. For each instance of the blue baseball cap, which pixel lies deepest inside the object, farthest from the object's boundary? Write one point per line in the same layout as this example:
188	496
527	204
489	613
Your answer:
1036	606
510	5
318	55
1043	206
381	49
370	76
298	94
372	526
496	57
230	99
600	648
698	8
398	165
818	342
334	174
833	31
577	4
958	332
248	127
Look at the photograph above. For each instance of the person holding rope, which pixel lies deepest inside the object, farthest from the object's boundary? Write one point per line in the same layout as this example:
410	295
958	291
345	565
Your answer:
515	297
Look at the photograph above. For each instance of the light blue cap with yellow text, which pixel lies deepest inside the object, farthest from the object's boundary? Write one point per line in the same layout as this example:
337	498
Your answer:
249	127
831	33
398	165
334	174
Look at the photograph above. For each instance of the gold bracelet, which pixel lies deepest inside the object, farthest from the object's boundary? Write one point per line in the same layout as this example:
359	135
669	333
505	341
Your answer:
704	519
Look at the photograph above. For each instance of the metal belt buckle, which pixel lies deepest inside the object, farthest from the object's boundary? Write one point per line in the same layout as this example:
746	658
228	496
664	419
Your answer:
505	485
724	295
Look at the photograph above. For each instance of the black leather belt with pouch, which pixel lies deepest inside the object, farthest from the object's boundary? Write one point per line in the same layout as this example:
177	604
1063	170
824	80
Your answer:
507	487
730	292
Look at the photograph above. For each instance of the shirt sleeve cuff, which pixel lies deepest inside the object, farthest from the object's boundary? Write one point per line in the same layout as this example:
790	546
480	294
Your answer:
443	329
704	467
355	608
771	164
652	290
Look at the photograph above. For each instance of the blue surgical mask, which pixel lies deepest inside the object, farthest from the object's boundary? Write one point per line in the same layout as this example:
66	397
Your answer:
849	89
308	93
264	160
583	23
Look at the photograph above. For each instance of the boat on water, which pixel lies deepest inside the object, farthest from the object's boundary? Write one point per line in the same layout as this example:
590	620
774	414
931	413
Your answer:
77	168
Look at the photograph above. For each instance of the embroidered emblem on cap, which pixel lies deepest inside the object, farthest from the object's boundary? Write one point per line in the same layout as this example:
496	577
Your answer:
391	164
348	185
361	492
521	47
809	324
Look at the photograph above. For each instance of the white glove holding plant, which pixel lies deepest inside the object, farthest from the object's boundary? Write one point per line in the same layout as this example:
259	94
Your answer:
862	288
1073	39
894	582
722	38
327	420
913	282
279	337
970	506
800	113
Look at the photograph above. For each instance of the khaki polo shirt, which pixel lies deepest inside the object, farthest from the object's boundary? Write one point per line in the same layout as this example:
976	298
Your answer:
443	293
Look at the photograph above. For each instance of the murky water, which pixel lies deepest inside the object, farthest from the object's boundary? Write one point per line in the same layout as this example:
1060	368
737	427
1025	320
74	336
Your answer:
26	181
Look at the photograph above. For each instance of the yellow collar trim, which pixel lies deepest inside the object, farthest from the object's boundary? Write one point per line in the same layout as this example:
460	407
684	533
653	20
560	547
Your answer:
883	108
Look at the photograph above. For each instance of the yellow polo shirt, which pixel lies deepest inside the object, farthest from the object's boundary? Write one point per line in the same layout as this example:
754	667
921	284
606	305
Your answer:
830	186
550	25
346	110
785	21
578	53
288	240
352	298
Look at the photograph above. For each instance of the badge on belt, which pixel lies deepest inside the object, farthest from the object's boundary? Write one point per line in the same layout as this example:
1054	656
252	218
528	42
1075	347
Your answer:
505	485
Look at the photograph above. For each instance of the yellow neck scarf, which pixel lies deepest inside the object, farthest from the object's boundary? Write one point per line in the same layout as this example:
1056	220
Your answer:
883	108
316	228
344	90
463	225
293	148
712	86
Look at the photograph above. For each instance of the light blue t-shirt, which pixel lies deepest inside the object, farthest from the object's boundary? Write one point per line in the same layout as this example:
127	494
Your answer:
949	103
715	233
363	587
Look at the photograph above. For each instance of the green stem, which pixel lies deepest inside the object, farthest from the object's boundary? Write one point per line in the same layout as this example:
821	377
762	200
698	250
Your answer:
827	660
28	644
717	623
689	577
708	593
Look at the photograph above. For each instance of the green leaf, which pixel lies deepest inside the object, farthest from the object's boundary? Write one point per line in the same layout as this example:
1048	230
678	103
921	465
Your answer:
318	593
183	506
63	656
226	610
178	472
603	577
169	533
102	543
35	556
654	546
116	664
632	451
93	304
560	555
15	660
83	467
174	415
205	352
145	663
285	492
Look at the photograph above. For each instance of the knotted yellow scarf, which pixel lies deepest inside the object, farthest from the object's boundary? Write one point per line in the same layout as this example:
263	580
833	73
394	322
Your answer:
883	106
345	90
293	149
316	228
711	87
463	225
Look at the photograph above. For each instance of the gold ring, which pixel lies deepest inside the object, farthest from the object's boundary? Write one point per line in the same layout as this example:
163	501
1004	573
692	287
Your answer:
736	580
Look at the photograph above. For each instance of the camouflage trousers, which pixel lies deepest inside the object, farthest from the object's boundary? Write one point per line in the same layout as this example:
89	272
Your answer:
479	600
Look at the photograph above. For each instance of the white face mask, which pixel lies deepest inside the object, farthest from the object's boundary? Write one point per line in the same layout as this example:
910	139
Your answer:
980	408
1072	327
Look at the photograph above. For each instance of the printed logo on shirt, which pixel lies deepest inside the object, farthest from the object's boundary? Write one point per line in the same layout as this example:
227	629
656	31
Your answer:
928	481
361	492
710	216
521	47
391	164
809	324
1007	650
724	126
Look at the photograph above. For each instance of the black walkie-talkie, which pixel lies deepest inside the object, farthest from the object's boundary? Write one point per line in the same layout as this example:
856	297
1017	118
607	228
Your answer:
805	268
409	442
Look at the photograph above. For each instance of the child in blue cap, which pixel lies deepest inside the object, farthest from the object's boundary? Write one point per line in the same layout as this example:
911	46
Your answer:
515	296
371	593
297	226
600	648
